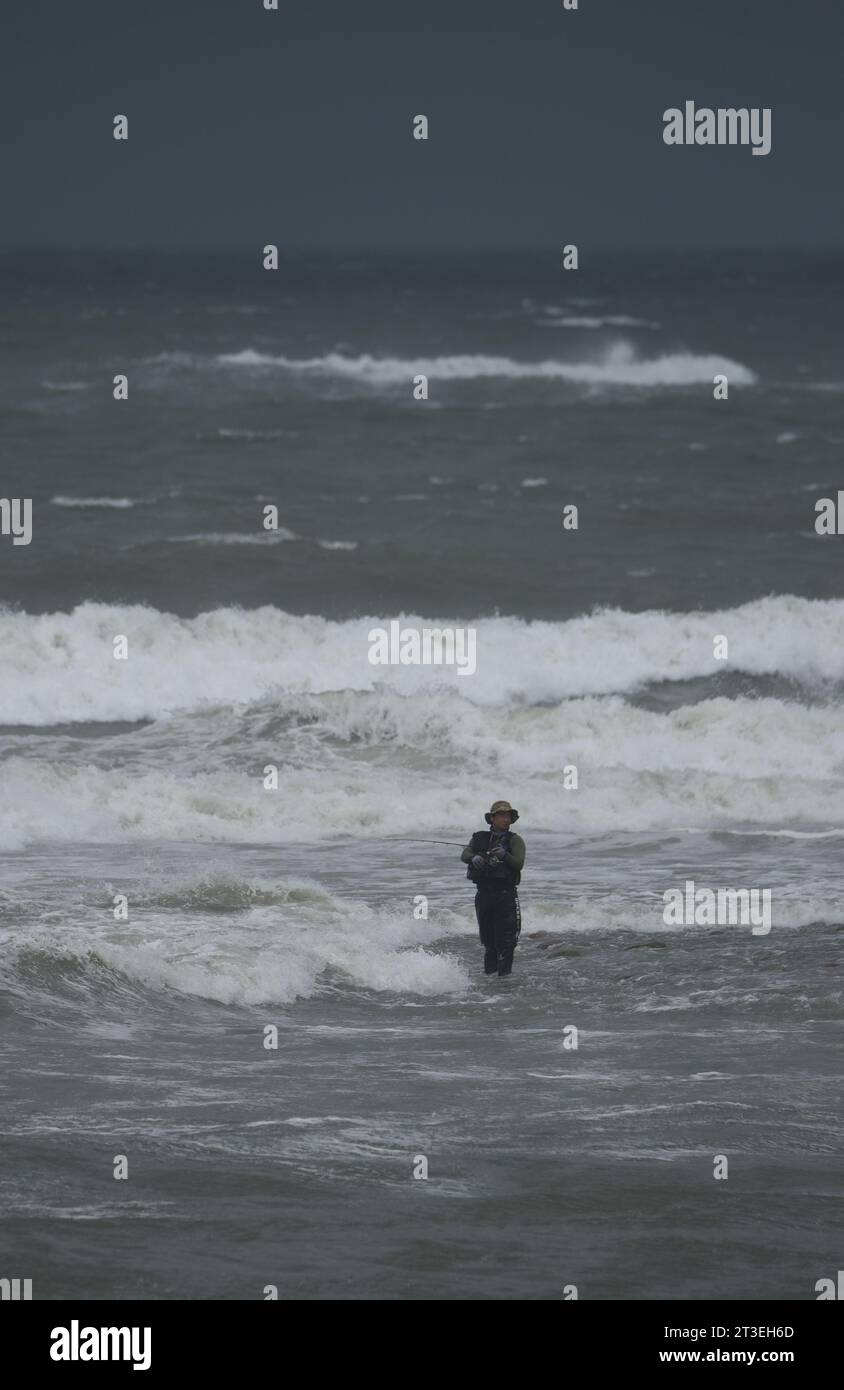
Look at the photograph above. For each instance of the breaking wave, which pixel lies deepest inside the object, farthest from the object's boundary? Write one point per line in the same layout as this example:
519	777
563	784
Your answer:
619	366
60	667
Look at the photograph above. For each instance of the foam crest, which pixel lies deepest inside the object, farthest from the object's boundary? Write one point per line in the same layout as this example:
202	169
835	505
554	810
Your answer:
59	667
306	942
620	365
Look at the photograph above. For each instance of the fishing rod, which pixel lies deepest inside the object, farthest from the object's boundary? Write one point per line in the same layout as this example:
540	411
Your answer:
414	840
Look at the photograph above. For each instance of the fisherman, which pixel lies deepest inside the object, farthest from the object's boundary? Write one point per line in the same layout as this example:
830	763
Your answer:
495	859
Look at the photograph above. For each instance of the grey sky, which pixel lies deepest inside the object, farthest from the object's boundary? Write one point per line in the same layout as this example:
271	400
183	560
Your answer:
295	126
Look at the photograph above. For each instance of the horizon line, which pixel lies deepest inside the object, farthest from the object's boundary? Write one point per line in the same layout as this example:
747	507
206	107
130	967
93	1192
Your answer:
440	250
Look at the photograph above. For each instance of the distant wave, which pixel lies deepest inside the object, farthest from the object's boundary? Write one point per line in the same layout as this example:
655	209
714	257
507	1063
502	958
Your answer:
250	436
93	502
619	366
236	537
212	538
594	321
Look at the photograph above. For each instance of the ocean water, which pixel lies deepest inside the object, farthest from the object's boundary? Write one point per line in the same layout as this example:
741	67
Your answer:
298	908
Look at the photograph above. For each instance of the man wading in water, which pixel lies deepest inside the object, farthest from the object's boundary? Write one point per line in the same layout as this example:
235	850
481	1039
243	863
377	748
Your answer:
495	859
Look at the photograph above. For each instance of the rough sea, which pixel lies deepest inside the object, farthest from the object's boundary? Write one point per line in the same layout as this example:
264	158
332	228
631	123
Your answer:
298	907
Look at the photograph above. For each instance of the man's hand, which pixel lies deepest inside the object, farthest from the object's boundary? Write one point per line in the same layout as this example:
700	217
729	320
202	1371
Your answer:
497	853
477	861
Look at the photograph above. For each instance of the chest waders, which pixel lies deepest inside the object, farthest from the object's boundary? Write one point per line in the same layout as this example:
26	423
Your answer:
496	905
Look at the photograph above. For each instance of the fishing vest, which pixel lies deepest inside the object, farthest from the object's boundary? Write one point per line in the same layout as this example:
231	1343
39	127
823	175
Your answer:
494	875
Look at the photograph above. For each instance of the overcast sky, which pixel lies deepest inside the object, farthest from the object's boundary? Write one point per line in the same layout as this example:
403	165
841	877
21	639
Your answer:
295	126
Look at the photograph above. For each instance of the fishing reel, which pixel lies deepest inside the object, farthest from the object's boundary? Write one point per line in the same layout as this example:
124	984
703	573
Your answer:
493	860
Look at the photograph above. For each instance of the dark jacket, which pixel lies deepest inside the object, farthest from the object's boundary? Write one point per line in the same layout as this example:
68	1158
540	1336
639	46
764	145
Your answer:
508	872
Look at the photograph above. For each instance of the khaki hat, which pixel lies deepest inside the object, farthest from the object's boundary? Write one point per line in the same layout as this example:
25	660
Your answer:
500	806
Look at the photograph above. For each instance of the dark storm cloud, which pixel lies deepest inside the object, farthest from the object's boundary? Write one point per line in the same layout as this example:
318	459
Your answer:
294	127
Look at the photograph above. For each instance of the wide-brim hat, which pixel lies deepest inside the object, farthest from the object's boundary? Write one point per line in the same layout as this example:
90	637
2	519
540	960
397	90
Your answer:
500	806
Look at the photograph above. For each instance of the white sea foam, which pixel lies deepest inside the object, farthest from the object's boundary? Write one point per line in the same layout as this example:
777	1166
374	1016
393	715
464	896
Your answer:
380	763
237	537
205	937
119	502
620	365
270	954
58	667
594	321
792	907
251	435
